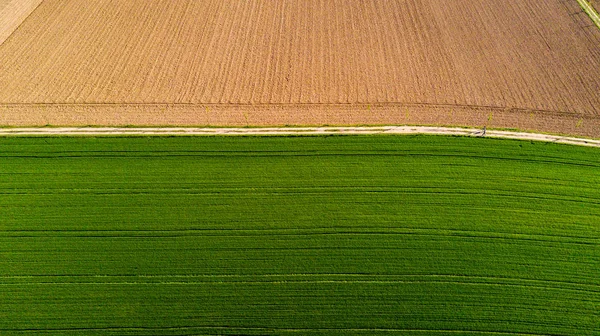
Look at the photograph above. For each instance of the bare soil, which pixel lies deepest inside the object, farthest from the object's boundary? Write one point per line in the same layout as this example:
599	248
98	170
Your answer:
526	64
13	13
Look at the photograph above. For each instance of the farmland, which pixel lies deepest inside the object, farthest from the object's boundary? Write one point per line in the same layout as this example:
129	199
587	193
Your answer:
337	235
13	13
320	235
533	65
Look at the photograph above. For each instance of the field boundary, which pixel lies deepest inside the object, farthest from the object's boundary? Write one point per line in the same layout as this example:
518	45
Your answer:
297	115
590	11
287	131
14	14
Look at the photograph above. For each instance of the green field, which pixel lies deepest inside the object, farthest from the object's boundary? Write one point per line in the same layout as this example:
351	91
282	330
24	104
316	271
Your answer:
343	235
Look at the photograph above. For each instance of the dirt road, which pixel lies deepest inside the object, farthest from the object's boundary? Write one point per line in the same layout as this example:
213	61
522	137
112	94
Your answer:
400	130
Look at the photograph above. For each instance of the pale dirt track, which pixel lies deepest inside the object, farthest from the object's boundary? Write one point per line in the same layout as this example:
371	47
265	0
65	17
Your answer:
279	115
530	64
270	131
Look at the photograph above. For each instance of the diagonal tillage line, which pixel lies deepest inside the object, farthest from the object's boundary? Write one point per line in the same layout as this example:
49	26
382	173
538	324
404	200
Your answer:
14	14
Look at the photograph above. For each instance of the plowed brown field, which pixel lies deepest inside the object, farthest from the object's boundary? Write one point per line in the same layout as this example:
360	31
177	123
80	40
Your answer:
529	64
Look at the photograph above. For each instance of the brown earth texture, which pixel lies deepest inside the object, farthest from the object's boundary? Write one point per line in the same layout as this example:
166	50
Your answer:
528	64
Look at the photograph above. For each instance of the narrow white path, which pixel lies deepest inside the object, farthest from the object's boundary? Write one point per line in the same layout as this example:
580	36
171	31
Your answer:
118	131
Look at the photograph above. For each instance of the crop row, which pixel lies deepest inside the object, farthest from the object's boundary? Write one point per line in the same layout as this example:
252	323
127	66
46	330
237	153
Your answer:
281	235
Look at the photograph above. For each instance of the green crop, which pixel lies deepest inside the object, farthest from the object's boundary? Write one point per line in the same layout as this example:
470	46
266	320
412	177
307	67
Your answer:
343	235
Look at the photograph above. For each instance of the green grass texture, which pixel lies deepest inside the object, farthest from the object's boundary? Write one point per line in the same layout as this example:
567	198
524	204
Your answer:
331	235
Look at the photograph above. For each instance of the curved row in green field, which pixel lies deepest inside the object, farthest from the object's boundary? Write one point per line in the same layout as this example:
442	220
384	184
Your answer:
347	235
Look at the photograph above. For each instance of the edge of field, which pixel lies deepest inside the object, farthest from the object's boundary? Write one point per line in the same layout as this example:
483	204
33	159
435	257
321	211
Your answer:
297	115
591	11
13	14
292	131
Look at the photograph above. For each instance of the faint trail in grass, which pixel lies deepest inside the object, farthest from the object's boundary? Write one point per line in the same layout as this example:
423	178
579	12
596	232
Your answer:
348	231
288	278
267	329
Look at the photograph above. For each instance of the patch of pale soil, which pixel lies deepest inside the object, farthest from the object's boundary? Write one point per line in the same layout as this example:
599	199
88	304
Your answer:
13	13
401	130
